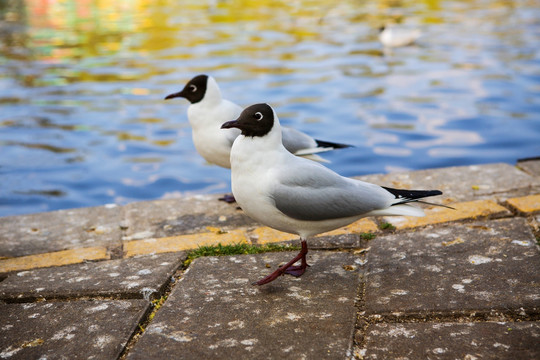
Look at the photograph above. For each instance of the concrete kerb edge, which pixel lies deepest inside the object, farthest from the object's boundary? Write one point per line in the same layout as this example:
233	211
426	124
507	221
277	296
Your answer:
248	238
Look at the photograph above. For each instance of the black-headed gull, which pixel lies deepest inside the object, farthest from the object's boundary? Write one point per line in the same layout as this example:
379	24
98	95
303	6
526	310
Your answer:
299	196
208	110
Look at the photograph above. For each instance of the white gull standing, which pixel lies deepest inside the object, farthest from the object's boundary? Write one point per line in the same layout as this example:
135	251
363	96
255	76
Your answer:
298	196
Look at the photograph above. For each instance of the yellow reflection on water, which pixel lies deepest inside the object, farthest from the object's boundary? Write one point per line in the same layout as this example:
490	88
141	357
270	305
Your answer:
110	34
72	29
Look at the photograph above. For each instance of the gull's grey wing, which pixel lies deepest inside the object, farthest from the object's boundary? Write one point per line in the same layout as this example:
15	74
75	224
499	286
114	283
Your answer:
295	140
302	144
313	192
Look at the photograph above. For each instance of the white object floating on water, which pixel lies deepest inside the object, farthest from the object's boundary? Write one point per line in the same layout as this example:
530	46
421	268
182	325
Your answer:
396	36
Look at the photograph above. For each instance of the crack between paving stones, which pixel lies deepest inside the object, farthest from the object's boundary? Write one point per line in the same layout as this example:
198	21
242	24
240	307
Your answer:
361	325
458	316
146	320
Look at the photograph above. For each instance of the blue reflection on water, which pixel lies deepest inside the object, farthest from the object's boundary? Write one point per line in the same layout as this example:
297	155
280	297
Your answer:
83	121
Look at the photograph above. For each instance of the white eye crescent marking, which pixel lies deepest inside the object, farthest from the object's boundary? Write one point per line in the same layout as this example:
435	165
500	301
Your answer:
258	116
193	88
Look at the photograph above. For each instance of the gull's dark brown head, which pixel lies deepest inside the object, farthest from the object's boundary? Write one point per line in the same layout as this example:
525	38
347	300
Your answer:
194	90
255	120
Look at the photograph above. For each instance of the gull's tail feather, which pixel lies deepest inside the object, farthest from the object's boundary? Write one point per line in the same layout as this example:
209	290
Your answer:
399	209
312	156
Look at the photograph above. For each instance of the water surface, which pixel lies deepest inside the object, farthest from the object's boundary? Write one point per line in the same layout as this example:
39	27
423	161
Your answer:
83	121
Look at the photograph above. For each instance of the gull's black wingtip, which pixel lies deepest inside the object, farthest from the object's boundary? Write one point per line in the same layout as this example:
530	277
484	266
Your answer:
412	195
329	144
408	196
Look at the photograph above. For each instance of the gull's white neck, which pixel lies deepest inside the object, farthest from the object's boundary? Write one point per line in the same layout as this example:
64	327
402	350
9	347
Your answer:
212	96
252	152
206	112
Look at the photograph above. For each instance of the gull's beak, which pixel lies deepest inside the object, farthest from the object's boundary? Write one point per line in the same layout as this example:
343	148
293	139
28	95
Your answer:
231	124
175	95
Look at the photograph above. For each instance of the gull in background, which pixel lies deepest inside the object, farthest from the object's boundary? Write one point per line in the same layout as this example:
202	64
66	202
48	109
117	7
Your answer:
298	196
396	36
208	110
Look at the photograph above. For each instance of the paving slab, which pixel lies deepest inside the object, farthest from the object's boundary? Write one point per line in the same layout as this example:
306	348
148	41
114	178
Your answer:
526	205
468	341
464	183
215	312
68	330
171	217
141	277
60	230
476	266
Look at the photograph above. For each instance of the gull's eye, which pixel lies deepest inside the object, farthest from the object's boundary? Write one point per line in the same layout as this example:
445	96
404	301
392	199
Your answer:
258	116
193	88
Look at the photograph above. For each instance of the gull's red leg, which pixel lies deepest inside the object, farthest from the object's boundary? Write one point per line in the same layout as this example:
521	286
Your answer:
299	269
288	268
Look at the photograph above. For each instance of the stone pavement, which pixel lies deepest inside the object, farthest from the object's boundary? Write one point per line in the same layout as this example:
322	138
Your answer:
112	282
